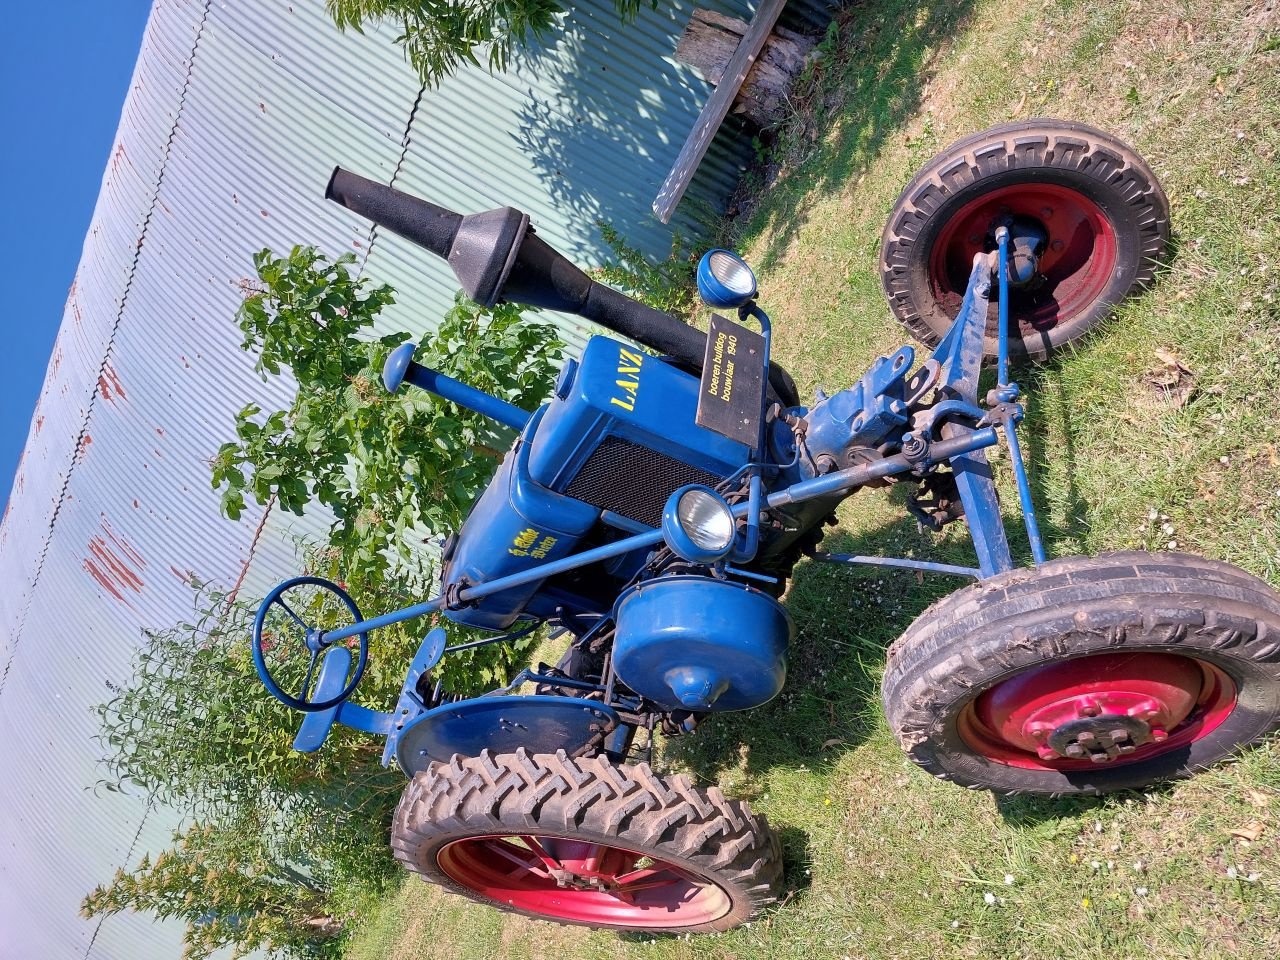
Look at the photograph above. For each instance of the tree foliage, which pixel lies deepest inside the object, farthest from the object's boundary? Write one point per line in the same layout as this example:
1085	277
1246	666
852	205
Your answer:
394	469
668	285
282	838
439	36
282	842
232	889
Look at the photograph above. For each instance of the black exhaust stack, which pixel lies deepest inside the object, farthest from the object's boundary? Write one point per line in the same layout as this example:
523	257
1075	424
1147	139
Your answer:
497	256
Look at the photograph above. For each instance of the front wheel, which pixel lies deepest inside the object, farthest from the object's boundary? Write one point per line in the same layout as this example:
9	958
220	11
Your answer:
1100	215
588	842
1088	674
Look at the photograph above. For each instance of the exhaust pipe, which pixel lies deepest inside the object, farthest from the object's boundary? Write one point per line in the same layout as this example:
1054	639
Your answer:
496	255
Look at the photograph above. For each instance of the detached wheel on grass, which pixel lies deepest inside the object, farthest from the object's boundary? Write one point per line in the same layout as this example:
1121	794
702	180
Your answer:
587	842
1088	674
1104	215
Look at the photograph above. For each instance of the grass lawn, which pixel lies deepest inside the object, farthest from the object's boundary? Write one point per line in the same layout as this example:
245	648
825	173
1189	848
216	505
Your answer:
1162	430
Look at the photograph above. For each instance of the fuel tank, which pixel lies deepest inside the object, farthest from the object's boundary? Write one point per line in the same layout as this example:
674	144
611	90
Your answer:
620	434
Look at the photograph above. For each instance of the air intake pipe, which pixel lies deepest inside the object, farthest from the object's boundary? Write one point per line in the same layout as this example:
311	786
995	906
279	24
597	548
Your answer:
496	256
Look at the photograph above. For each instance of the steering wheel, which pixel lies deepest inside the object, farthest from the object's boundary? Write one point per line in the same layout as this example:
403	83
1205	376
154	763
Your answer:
290	625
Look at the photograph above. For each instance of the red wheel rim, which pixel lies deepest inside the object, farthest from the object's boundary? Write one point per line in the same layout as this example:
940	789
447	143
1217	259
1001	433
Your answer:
575	880
1077	262
1163	702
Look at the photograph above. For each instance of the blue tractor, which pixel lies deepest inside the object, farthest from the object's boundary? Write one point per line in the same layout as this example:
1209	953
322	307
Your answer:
653	510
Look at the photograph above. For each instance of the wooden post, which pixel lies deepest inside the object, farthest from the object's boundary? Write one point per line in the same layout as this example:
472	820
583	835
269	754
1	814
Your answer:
709	41
716	109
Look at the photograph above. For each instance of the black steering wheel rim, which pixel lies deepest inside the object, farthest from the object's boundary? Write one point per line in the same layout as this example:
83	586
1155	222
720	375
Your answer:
275	598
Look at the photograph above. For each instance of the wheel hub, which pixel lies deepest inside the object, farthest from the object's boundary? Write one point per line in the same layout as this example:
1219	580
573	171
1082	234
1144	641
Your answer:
1099	739
1062	252
1096	709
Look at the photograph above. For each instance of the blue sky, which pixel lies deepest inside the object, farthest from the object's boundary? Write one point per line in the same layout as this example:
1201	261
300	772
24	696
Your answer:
64	71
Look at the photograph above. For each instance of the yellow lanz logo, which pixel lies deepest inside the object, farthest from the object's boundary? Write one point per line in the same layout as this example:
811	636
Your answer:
628	379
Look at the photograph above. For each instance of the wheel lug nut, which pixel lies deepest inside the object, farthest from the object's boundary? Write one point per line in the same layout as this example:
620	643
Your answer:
1119	733
1085	737
1075	750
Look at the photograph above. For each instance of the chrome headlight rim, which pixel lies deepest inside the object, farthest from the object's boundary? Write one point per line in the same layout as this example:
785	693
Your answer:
698	524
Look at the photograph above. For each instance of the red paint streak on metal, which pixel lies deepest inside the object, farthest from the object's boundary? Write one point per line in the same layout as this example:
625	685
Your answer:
39	423
103	580
119	569
84	444
109	384
114	563
160	431
123	545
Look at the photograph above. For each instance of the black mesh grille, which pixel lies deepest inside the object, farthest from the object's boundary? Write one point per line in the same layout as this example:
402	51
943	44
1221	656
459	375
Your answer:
633	480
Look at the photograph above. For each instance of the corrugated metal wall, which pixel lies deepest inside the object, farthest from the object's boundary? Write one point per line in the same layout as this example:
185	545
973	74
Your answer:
236	114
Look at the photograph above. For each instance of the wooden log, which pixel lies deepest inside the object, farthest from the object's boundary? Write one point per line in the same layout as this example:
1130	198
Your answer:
710	39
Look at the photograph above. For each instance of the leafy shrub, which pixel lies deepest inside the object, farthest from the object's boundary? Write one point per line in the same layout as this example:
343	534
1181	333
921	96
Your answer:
394	469
668	285
282	842
439	36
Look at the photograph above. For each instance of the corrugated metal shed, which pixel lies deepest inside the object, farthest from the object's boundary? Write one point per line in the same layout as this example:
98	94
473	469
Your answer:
236	114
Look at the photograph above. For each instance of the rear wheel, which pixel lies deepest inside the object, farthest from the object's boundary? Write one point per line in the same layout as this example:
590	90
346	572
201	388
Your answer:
1088	674
1099	207
587	842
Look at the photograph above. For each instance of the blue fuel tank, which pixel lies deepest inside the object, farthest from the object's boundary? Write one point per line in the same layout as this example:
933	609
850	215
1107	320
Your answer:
621	434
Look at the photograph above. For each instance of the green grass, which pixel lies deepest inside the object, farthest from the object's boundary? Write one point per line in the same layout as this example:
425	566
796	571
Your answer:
882	861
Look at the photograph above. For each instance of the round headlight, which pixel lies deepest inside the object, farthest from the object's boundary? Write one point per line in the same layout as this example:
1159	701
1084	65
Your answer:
724	279
732	272
698	524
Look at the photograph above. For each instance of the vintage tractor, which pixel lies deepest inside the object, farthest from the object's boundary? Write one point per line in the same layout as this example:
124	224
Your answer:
653	511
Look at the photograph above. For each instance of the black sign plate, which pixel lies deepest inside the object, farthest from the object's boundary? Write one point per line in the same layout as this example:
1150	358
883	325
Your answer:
731	394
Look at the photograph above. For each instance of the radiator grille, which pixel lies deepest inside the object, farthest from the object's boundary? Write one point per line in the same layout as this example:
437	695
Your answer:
632	480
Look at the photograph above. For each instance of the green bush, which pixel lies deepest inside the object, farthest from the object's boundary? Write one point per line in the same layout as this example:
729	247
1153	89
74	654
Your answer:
439	36
668	285
394	469
283	843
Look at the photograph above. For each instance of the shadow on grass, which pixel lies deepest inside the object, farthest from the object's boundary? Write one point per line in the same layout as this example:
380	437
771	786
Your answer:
869	84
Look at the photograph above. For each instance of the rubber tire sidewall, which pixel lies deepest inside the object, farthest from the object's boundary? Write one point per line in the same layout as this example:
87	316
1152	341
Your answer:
417	839
955	673
1134	265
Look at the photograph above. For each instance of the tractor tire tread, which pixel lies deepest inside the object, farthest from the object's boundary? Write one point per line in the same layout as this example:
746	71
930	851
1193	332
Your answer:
1071	607
554	794
1040	143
